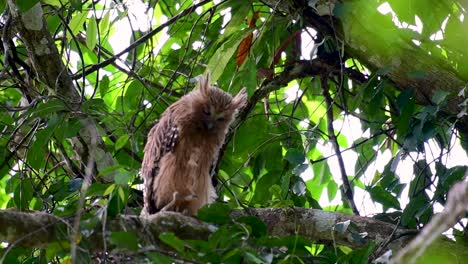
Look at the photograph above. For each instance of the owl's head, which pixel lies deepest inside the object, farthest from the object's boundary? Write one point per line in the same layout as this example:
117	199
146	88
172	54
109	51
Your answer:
214	108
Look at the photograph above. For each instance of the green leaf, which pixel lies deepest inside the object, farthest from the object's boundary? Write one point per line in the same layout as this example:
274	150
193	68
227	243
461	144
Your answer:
104	23
97	189
6	120
366	155
439	97
224	237
262	187
2	5
49	107
422	179
258	227
109	189
91	33
126	240
77	4
273	156
23	195
94	106
412	209
233	256
448	177
77	21
223	55
295	156
254	131
35	156
406	105
122	178
361	256
248	75
170	239
104	85
217	213
121	142
252	257
239	12
36	152
68	129
55	3
55	248
276	190
332	189
382	196
133	94
118	201
157	257
322	173
25	5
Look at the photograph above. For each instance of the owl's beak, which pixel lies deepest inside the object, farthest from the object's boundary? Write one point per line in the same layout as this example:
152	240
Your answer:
209	125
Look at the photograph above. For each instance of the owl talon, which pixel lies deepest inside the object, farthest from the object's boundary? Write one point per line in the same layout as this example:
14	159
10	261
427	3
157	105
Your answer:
190	197
175	198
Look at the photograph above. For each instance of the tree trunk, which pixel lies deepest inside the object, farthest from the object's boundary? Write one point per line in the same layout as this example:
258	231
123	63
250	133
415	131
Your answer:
55	78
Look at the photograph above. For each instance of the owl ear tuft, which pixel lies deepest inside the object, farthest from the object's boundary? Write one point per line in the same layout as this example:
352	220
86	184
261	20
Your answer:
204	83
240	99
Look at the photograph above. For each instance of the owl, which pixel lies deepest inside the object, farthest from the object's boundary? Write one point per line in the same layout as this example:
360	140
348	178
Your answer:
183	146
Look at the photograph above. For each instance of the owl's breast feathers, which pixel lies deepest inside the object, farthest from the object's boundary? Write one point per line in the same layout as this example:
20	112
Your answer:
177	160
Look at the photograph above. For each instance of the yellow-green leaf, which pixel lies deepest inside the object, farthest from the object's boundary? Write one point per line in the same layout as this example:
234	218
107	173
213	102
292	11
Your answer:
91	33
76	23
120	143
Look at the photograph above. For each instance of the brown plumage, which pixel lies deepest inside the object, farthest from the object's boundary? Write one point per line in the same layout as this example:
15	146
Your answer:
182	147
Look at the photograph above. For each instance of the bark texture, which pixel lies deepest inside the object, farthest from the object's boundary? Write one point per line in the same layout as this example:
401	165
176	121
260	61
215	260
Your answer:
54	76
37	229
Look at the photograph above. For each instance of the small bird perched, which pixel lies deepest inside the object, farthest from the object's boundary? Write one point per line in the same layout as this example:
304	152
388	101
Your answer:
182	147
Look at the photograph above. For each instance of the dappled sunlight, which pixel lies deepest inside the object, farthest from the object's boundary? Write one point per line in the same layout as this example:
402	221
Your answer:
326	132
386	9
292	93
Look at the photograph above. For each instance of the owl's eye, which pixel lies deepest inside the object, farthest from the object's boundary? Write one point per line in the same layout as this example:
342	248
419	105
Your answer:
220	119
206	111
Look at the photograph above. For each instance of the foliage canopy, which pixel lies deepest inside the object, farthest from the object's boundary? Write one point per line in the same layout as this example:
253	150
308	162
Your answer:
75	117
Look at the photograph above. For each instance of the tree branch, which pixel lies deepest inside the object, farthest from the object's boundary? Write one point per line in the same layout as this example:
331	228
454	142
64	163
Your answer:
407	65
298	70
37	229
346	186
455	208
145	38
49	67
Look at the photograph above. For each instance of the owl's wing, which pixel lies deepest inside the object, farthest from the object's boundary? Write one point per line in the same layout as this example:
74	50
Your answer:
162	139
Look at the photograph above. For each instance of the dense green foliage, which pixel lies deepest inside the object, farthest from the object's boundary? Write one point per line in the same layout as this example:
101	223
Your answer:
275	142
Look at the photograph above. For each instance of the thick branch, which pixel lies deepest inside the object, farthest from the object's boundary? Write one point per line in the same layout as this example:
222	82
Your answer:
50	69
43	53
35	229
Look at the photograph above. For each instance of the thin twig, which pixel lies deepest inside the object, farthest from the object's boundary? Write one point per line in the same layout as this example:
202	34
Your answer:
75	233
346	187
146	37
